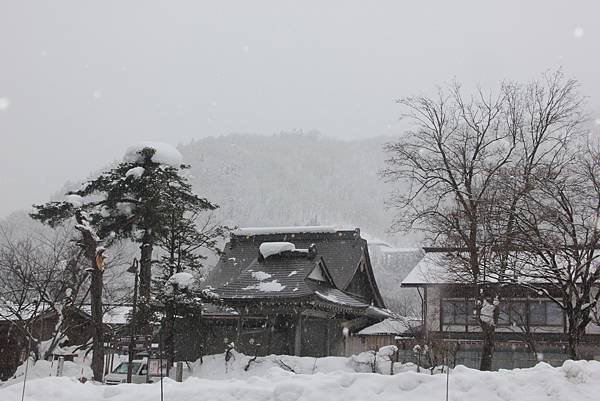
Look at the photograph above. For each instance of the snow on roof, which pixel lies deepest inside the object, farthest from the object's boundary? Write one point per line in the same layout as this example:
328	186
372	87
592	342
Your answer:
430	270
267	249
11	312
74	200
136	172
387	326
260	276
435	269
266	286
330	297
249	231
183	280
114	314
385	246
165	153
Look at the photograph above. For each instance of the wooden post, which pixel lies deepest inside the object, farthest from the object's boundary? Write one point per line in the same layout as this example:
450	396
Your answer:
179	372
298	335
61	366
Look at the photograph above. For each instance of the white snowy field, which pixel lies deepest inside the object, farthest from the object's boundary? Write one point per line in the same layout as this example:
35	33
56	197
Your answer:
577	381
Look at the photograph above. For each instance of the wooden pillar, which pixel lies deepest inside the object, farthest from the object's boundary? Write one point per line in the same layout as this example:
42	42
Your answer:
298	335
269	333
239	329
328	337
425	312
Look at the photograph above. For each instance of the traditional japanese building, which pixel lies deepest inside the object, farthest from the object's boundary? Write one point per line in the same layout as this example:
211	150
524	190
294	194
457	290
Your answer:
297	290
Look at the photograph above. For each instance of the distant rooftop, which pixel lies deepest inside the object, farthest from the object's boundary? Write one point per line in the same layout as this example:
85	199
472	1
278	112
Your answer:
251	231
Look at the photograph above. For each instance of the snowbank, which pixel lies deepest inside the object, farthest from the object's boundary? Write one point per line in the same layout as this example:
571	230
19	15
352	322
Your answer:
42	369
165	154
574	381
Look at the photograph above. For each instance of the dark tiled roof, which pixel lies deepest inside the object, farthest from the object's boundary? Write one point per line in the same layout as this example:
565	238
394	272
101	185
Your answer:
286	276
342	252
278	276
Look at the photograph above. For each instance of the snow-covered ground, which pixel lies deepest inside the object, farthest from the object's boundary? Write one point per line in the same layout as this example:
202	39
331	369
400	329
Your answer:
329	379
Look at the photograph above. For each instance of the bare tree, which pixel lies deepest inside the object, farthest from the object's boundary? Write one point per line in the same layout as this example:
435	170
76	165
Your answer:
40	275
468	164
559	223
449	163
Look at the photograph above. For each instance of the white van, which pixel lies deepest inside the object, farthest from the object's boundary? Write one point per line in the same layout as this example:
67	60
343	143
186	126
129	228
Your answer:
119	374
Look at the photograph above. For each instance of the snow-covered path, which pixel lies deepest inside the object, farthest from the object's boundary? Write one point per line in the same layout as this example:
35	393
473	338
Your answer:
577	381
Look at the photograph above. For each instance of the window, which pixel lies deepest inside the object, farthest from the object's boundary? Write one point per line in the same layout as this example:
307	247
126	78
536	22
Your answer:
122	368
537	313
554	314
545	313
447	312
460	312
518	313
512	313
457	311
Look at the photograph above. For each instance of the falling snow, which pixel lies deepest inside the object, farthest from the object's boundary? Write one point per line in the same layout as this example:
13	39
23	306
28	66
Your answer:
4	103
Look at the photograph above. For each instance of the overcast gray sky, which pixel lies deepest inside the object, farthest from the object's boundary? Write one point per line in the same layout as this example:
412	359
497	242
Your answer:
79	80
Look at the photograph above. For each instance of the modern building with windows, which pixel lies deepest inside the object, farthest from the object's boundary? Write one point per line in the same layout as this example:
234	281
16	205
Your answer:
530	327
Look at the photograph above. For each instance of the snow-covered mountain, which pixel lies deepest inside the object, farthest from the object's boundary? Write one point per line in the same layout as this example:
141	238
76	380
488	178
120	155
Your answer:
294	179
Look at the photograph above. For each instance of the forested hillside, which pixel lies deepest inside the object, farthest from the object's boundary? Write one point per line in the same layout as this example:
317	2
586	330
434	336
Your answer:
294	179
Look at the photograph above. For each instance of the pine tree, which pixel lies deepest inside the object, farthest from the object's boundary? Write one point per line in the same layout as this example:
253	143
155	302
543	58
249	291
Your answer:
182	242
132	201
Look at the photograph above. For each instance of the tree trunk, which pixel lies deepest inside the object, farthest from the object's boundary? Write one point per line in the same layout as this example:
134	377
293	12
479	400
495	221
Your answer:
145	284
98	329
489	342
575	333
573	350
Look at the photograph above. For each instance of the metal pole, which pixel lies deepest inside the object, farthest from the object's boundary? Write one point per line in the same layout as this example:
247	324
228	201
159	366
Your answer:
447	376
132	330
26	367
160	359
